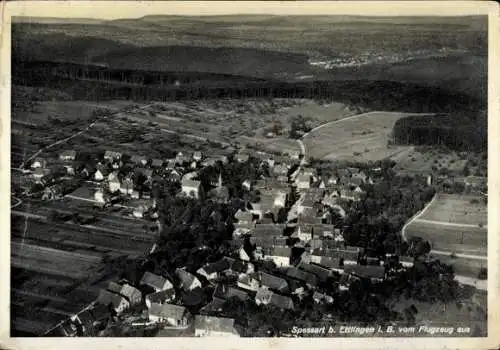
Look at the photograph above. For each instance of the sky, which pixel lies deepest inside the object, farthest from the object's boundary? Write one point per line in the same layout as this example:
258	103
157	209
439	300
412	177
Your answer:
132	9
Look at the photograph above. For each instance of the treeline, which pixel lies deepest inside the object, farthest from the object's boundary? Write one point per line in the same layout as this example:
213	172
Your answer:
143	85
457	131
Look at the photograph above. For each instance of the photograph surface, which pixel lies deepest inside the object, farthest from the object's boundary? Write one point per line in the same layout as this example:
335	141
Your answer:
249	175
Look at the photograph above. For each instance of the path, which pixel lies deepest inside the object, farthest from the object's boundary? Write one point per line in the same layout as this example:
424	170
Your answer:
446	223
19	202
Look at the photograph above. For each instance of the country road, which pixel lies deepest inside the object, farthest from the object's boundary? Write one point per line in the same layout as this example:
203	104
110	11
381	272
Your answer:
415	217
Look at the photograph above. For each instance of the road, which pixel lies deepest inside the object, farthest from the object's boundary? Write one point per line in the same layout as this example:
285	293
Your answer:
66	139
474	282
416	216
460	255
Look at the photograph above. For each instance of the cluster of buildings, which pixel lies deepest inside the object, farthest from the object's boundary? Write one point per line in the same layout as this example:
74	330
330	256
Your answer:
290	225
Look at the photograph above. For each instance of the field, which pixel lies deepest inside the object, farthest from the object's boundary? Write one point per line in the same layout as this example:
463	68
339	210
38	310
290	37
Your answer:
459	239
453	223
59	267
362	137
415	160
460	209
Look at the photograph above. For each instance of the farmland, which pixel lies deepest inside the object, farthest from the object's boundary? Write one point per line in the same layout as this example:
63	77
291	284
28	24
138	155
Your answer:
59	267
362	137
459	209
464	239
416	160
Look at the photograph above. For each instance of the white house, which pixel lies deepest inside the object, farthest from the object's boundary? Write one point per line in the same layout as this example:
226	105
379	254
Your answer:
280	200
99	196
127	186
279	255
191	188
114	185
158	283
118	302
247	185
173	315
187	280
98	176
68	155
211	326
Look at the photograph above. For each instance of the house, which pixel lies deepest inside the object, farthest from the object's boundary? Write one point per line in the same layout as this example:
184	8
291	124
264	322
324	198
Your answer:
39	163
333	263
127	186
371	272
280	200
137	159
211	326
242	157
99	196
114	185
322	273
308	278
247	185
263	296
51	193
161	297
191	188
279	255
223	291
281	301
118	302
213	270
99	175
248	282
273	282
322	298
132	294
158	283
197	156
303	181
305	232
157	163
139	211
187	281
135	194
180	158
209	162
69	155
112	156
173	315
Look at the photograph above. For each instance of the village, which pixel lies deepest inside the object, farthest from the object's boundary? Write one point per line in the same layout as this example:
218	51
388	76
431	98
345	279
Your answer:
288	245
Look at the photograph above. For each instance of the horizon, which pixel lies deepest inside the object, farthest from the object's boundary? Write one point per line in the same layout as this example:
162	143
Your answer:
100	10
